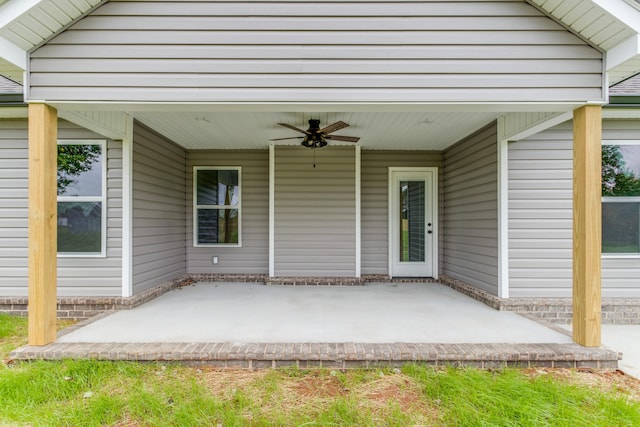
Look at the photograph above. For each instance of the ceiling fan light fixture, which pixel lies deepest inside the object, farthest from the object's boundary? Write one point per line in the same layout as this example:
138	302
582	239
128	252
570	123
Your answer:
315	137
314	140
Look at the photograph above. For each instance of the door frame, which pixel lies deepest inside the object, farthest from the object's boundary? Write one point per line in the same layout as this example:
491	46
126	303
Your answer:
432	206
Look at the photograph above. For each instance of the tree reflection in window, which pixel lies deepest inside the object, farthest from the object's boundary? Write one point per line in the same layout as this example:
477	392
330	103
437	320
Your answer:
81	199
618	179
621	198
73	161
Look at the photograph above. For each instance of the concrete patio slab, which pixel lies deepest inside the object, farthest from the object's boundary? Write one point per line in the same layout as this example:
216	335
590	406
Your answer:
626	339
252	325
374	313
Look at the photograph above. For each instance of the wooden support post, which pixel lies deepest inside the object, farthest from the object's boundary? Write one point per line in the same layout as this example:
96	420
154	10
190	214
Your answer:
587	224
43	135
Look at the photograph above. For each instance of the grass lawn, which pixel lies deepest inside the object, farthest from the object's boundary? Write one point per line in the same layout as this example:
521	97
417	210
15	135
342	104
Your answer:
87	393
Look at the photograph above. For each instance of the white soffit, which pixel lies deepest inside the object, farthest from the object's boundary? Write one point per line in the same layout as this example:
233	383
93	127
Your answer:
11	71
611	25
253	130
25	24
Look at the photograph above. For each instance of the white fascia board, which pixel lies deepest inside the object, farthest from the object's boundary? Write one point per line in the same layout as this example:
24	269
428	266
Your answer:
621	11
623	52
13	54
539	126
97	126
13	9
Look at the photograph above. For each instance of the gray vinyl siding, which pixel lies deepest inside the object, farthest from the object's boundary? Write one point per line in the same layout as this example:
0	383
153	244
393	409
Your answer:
540	217
14	186
253	256
540	214
315	212
471	210
374	202
159	200
486	51
77	276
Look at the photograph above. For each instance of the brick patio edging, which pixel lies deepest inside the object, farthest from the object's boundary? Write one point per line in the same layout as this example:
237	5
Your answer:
86	307
333	355
615	311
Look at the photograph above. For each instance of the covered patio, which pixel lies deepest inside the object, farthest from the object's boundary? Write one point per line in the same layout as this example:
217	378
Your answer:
251	325
184	101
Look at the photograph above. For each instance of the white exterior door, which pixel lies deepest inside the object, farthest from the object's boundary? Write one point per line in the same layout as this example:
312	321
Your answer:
413	222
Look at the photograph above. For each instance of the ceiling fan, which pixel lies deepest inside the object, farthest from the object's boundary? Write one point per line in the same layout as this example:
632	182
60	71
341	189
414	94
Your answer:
314	137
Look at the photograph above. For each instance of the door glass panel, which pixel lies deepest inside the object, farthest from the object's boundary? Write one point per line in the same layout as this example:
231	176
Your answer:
412	221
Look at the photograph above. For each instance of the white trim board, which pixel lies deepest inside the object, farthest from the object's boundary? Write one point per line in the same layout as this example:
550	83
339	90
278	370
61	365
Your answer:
272	215
127	210
503	210
358	230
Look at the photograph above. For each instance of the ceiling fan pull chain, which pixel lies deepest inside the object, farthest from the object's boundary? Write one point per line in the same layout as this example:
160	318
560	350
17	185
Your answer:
314	158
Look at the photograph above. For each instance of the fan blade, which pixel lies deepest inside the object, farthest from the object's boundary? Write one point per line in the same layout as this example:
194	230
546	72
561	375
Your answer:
294	128
343	138
334	127
282	139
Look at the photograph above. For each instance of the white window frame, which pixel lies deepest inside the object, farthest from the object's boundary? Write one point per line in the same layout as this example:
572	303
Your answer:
102	199
621	199
196	207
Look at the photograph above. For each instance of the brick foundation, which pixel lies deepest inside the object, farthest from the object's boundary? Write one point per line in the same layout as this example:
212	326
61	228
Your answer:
85	307
615	311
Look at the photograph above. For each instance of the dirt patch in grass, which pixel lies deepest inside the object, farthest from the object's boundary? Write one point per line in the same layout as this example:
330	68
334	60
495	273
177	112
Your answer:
398	389
376	393
223	383
607	381
317	385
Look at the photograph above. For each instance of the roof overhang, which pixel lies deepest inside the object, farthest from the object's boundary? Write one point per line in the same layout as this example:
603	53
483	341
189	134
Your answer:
26	24
613	26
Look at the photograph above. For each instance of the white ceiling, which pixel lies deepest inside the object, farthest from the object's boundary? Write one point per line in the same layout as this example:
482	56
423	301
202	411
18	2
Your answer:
377	130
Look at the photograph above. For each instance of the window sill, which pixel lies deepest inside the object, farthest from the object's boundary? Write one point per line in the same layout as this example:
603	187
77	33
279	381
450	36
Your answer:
218	246
620	256
80	255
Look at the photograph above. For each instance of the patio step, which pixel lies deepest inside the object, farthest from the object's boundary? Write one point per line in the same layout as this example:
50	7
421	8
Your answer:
333	355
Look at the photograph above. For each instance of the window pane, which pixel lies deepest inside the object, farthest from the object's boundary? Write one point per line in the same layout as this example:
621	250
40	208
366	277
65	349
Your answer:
79	170
412	218
217	226
79	227
620	170
620	224
217	187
